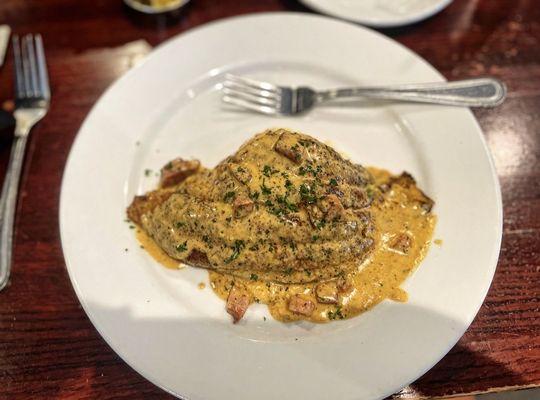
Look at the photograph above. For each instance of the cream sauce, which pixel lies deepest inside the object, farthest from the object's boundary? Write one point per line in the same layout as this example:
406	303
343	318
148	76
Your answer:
378	277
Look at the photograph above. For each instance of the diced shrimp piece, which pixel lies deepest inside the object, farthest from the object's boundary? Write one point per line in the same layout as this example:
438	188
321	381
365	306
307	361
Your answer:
177	171
401	242
237	303
242	206
300	305
327	292
287	146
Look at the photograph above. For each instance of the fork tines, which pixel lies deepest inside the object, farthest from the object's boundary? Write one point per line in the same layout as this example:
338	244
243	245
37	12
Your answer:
31	81
248	93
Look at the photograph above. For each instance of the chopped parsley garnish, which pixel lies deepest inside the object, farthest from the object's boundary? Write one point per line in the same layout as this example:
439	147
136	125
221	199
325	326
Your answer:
237	248
308	194
309	169
147	172
253	277
320	224
289	185
206	239
182	246
283	201
254	196
168	165
265	189
314	238
229	196
180	224
333	182
335	314
267	170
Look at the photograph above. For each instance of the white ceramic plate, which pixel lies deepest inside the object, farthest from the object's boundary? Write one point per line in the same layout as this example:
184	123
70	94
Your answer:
179	336
379	13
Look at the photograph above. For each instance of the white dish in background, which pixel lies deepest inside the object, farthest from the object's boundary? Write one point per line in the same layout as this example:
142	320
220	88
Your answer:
379	13
180	337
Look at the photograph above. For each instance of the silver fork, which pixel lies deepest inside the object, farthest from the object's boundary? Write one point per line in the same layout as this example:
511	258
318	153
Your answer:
32	97
268	98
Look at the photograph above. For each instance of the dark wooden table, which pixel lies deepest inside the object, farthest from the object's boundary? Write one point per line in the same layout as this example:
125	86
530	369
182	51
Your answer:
48	347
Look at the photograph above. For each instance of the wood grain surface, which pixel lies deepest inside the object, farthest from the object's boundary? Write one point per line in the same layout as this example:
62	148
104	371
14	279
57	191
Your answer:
48	347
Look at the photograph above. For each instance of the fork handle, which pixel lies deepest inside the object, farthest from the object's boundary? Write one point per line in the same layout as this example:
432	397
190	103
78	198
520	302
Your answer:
8	202
484	92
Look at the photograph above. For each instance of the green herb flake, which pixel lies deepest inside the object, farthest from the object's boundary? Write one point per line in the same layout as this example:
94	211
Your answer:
337	314
265	189
229	196
254	196
289	185
253	277
320	224
308	194
292	207
237	248
182	246
267	170
333	182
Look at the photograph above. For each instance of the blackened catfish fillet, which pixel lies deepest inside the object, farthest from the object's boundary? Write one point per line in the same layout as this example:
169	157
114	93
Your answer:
284	208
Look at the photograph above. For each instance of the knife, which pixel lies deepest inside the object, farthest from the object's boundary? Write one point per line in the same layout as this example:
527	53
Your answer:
6	119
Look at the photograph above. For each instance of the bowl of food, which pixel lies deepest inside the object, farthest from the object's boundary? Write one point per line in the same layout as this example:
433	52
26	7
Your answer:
156	6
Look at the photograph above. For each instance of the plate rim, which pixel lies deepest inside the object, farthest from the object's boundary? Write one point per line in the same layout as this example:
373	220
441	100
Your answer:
377	22
62	219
